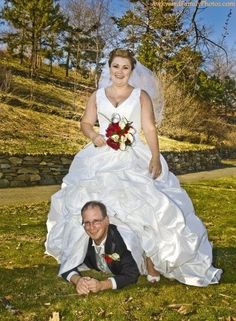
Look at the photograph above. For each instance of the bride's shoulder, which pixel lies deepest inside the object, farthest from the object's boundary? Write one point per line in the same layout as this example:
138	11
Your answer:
99	91
144	95
96	92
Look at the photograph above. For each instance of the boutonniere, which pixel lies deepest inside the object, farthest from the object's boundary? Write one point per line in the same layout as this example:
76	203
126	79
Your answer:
109	258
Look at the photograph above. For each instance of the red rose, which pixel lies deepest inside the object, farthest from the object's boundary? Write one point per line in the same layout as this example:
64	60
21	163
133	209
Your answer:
113	128
108	259
112	144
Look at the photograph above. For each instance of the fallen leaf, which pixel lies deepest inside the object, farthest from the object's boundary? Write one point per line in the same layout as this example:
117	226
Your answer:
129	299
185	309
175	306
231	318
55	317
18	246
226	296
101	312
182	308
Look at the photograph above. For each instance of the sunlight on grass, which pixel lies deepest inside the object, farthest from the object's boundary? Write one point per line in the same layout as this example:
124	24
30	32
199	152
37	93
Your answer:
48	94
167	144
27	131
28	278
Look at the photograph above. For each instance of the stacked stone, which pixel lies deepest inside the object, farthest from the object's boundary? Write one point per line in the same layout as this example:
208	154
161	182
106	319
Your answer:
192	161
31	170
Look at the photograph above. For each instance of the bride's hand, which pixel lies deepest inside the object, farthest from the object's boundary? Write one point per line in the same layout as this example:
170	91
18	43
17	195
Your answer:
98	140
155	167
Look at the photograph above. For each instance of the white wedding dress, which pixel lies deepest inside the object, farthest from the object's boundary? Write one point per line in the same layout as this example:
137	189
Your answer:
159	211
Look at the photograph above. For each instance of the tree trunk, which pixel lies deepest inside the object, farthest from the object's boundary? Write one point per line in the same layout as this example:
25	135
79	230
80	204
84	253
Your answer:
67	63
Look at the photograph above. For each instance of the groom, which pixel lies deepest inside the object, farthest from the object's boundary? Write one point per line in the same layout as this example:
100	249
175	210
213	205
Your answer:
106	252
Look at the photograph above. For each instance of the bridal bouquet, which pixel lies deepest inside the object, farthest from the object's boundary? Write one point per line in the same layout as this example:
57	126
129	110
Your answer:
120	133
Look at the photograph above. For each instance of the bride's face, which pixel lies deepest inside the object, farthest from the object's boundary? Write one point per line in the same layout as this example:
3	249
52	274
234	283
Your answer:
120	71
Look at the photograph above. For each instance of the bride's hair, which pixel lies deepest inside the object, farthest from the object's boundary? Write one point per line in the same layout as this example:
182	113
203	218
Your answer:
124	53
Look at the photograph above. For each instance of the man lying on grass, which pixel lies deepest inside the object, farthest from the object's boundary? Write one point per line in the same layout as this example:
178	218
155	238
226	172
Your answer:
106	252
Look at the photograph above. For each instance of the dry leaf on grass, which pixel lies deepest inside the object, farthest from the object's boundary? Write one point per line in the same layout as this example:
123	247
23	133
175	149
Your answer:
226	296
101	312
55	317
231	318
182	308
129	299
185	309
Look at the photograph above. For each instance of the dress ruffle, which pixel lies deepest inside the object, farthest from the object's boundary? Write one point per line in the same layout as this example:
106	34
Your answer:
159	212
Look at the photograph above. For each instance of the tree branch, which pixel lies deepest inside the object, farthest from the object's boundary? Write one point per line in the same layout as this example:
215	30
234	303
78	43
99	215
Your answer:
199	33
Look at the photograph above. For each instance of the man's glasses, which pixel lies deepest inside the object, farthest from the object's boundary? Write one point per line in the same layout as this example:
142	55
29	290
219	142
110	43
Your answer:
95	223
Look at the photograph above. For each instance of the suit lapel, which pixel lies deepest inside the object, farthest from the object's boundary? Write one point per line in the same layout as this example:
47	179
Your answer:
110	244
91	255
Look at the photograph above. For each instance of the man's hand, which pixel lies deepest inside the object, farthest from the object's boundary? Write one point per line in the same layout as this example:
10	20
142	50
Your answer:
96	286
82	285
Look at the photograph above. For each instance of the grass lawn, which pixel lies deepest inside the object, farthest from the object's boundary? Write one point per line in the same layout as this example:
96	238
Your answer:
28	278
27	131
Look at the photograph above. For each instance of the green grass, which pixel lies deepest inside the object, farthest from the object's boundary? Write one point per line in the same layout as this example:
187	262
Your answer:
48	93
28	131
28	278
167	144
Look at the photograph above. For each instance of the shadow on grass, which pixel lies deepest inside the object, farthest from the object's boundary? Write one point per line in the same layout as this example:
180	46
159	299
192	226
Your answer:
225	259
35	292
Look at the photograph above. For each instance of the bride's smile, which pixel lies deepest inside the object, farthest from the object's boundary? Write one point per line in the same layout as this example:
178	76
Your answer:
120	71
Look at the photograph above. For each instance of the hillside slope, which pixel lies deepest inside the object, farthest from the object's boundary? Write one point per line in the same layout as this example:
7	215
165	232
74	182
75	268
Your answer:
27	131
41	115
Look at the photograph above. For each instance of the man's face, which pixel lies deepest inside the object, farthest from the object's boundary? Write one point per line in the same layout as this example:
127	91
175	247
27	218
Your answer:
95	224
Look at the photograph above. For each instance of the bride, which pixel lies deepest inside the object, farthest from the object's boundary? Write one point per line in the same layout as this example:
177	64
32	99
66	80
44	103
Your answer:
132	179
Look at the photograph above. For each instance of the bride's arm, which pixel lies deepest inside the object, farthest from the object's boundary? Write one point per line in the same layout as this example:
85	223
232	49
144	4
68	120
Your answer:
88	120
150	133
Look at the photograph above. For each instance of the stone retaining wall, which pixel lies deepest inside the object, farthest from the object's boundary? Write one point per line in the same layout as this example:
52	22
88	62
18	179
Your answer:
229	153
31	170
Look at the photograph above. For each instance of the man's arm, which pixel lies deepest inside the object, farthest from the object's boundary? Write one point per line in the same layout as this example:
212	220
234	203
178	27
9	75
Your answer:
80	282
69	274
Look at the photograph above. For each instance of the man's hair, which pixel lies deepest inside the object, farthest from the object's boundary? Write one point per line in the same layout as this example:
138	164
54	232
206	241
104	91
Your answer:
93	204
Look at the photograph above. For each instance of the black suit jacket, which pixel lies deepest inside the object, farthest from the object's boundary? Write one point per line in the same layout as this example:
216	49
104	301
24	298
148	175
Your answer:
125	269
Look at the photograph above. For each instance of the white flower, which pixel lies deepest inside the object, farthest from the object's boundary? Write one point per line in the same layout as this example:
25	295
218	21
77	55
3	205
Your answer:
122	146
122	123
115	257
115	137
131	130
130	137
123	138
